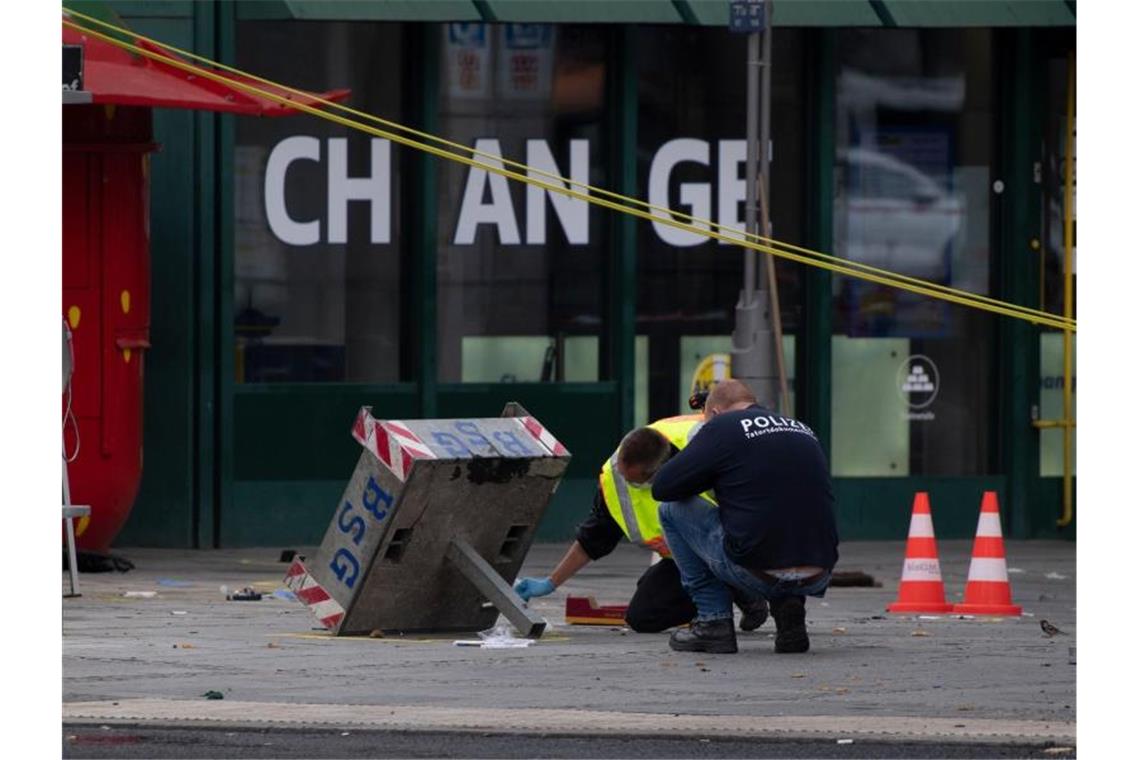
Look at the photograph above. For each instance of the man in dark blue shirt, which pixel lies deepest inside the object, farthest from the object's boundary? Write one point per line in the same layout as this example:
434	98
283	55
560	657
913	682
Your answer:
774	533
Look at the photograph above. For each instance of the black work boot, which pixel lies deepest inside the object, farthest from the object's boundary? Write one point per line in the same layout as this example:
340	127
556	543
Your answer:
753	614
715	636
791	632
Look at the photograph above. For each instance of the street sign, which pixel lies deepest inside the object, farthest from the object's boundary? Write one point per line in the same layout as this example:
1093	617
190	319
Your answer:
433	526
746	16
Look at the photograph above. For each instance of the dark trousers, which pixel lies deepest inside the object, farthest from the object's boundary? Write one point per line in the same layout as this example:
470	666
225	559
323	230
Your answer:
660	601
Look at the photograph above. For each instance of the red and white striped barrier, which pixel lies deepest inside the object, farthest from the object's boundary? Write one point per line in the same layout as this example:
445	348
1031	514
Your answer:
324	608
390	441
542	435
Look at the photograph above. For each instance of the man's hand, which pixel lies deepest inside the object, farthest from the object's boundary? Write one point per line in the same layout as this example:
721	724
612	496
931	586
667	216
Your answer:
528	588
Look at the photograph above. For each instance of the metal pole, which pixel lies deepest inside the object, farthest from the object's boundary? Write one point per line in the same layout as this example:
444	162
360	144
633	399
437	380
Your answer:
485	578
753	82
752	341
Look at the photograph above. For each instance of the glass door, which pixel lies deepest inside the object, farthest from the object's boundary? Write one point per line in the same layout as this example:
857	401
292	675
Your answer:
912	377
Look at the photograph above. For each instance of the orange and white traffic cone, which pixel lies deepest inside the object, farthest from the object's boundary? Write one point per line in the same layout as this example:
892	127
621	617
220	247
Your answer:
920	589
987	586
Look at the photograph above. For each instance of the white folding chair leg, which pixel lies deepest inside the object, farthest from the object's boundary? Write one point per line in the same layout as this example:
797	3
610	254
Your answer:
72	570
70	512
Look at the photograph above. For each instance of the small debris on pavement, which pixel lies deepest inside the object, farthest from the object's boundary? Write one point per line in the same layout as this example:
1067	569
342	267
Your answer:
184	646
839	630
1014	570
214	695
376	633
919	632
1054	576
178	612
173	583
844	741
852	578
273	645
798	675
247	594
140	594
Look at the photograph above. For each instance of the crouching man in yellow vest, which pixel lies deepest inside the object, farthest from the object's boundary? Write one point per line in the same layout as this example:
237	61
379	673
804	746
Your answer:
623	506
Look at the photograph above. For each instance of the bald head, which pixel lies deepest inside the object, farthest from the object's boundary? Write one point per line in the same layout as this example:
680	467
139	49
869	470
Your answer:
728	395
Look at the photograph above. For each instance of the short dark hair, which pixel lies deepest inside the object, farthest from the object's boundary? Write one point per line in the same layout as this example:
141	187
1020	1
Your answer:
643	447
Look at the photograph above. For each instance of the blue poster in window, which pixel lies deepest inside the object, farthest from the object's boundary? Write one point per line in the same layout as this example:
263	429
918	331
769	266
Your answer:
467	35
527	36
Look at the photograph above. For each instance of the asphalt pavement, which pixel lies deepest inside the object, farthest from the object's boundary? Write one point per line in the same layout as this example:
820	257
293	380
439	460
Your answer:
143	648
128	742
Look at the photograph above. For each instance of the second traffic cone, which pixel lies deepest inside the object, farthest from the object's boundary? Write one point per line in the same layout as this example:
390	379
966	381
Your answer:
920	589
987	586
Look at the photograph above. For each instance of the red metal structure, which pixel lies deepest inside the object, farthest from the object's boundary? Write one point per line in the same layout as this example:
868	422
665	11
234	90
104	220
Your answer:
107	139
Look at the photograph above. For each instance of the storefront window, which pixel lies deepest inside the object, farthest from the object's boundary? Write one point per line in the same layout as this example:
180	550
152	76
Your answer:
1052	283
691	158
520	269
317	259
911	391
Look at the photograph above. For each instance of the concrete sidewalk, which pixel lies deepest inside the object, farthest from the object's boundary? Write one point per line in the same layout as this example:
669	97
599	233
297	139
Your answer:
152	658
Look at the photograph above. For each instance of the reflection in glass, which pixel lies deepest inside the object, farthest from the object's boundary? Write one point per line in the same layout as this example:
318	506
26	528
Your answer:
691	157
317	254
519	267
912	195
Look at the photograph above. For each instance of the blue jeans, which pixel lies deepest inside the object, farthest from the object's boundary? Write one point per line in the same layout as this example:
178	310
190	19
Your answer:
696	539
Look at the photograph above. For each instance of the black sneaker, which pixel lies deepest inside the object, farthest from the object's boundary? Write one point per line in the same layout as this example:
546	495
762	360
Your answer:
753	614
791	632
715	636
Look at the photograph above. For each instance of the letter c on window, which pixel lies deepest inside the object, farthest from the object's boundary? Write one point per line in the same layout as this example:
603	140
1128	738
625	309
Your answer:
284	226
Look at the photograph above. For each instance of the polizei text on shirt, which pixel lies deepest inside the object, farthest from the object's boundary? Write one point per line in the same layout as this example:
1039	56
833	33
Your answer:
765	424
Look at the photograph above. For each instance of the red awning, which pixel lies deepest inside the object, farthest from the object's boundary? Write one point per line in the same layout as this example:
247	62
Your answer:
114	75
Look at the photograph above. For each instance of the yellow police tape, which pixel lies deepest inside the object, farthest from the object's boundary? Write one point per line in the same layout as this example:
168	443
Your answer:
663	215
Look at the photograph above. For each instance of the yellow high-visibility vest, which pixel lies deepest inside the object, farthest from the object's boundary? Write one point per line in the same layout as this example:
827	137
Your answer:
634	509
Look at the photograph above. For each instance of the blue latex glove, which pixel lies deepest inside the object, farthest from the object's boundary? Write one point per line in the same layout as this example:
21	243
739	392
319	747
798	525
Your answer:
528	588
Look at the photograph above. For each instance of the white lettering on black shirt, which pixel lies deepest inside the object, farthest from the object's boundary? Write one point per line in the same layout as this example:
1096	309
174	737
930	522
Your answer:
764	424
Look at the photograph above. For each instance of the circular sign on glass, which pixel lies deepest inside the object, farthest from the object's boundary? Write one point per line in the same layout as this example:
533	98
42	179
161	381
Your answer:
918	381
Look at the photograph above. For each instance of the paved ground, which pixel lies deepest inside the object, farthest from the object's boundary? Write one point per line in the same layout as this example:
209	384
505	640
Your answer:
868	677
194	742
